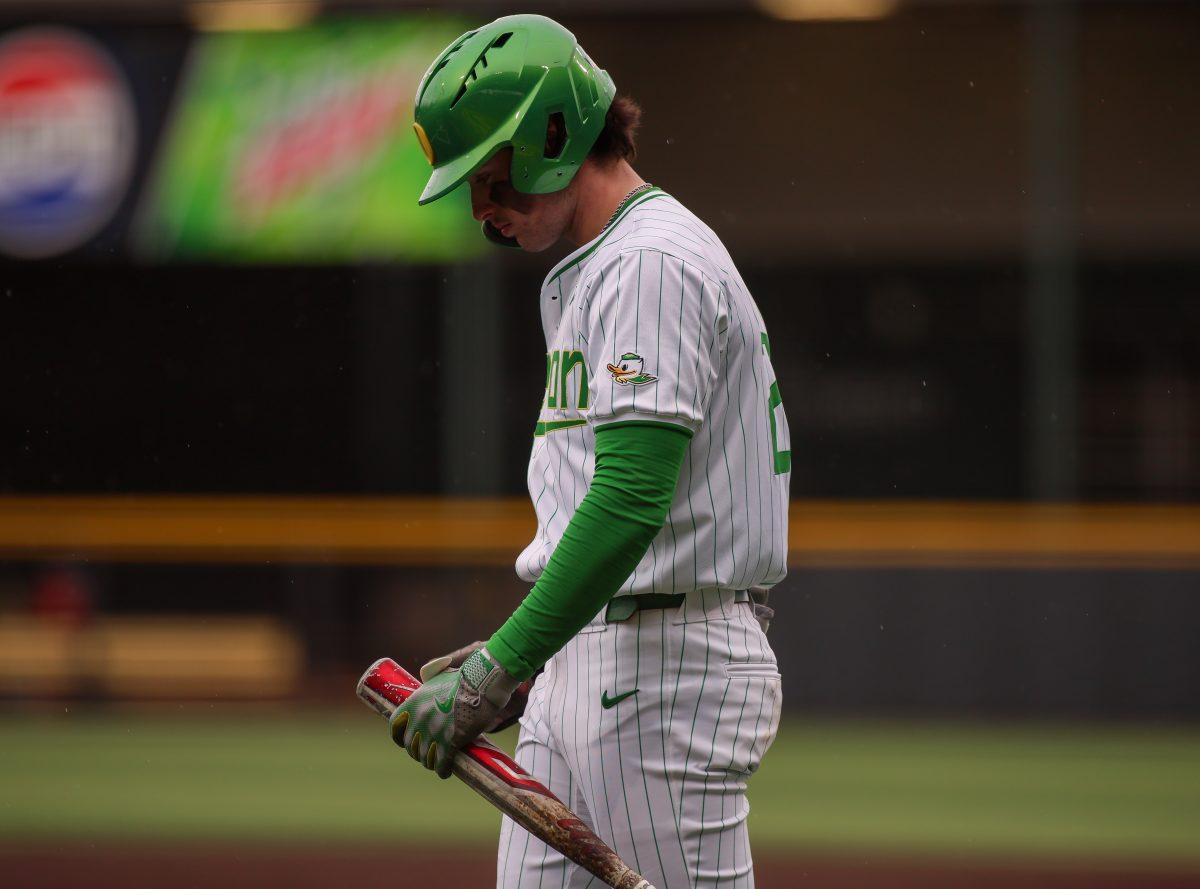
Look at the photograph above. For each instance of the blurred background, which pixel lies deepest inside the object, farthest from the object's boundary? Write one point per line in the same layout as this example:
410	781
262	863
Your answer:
264	421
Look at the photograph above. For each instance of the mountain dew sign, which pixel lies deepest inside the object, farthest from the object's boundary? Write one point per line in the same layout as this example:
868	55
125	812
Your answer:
298	146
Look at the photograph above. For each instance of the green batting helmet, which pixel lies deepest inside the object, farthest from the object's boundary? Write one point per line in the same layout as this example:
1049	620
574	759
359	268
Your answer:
499	86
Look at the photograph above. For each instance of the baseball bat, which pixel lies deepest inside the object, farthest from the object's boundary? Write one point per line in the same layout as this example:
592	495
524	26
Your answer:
491	773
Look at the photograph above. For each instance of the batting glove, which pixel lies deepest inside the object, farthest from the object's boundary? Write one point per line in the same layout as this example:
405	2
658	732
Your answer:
451	709
511	712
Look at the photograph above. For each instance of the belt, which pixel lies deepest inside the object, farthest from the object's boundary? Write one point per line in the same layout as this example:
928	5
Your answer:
624	607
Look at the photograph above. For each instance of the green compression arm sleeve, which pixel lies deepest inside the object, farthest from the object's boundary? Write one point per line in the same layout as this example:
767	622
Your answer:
637	468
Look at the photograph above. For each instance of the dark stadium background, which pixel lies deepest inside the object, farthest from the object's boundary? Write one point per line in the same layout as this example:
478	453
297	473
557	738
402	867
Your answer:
973	229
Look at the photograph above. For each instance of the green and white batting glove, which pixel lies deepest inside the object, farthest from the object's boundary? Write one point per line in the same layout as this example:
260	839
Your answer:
451	709
511	712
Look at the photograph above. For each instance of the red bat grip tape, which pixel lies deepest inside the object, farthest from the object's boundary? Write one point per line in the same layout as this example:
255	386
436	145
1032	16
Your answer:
386	685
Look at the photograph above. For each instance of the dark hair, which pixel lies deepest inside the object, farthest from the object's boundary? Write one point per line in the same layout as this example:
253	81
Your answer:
618	139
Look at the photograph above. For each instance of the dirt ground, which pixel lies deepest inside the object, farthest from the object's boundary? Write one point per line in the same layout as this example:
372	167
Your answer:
199	866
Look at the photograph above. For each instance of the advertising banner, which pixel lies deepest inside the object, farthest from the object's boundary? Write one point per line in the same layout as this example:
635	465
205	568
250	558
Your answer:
297	146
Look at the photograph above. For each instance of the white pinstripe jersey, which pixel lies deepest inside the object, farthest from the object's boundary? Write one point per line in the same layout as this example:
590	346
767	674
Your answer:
651	323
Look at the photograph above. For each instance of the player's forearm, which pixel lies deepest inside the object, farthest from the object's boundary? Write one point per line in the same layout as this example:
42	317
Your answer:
637	468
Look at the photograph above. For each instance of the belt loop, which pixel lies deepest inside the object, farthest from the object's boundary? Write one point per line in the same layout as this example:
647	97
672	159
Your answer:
619	609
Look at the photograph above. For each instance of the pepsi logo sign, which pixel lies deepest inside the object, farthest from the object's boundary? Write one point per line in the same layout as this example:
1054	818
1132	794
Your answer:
67	141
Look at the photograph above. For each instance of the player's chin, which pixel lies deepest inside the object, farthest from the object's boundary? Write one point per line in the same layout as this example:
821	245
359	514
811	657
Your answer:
531	242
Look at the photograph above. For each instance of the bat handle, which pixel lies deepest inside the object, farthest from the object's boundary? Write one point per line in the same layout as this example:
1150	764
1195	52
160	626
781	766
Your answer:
385	686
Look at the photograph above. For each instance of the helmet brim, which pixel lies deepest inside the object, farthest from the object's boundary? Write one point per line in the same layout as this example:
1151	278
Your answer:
449	176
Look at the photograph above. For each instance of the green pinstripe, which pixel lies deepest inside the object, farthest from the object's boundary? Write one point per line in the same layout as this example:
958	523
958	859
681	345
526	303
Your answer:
713	749
678	355
637	320
743	579
757	442
691	509
612	383
725	456
550	784
637	678
620	754
566	867
707	477
533	769
732	755
603	772
662	676
658	340
695	712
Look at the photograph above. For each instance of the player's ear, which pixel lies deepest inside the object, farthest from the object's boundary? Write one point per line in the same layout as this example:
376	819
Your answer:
556	135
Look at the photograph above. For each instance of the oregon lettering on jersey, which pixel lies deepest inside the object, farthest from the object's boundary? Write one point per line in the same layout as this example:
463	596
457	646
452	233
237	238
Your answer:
563	393
651	323
560	365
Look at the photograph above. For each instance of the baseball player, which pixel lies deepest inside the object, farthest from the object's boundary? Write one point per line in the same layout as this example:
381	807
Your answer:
659	474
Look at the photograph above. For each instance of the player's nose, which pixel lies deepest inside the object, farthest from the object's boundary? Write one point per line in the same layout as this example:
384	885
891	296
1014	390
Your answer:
481	207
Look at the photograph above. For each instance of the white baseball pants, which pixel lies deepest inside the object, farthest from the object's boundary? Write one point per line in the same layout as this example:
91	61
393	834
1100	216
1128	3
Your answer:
648	729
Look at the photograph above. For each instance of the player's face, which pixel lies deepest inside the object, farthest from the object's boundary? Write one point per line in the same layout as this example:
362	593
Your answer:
537	221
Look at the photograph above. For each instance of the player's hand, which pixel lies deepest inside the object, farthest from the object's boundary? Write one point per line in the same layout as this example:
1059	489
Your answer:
510	712
451	709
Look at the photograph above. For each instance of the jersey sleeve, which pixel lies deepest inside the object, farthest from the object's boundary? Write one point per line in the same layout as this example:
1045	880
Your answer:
656	331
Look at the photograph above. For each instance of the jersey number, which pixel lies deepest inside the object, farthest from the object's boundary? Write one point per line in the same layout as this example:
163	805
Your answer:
783	459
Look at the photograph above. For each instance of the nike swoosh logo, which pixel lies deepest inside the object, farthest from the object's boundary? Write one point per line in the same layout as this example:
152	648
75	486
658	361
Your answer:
608	703
445	706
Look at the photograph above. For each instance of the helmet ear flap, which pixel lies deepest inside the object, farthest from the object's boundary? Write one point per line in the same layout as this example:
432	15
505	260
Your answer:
493	234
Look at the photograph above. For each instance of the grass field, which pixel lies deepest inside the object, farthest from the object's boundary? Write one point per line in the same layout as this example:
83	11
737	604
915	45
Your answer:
1120	794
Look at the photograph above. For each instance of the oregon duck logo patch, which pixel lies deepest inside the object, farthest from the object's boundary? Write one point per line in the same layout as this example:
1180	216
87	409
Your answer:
631	371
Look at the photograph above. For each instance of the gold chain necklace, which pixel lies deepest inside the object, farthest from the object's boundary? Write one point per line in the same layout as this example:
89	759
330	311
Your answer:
625	200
